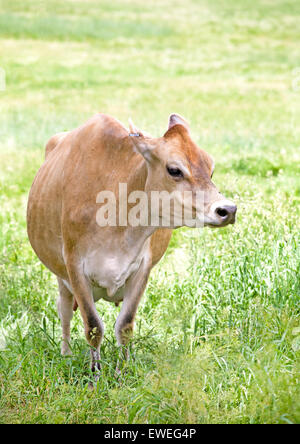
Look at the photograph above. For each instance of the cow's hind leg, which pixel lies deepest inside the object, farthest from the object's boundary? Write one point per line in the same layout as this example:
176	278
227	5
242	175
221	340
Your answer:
65	312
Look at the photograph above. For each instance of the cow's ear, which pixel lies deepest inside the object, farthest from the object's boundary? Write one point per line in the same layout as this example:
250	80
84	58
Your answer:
133	130
142	145
176	119
141	141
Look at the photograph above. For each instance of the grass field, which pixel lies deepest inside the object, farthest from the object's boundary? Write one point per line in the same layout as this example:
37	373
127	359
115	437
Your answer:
217	335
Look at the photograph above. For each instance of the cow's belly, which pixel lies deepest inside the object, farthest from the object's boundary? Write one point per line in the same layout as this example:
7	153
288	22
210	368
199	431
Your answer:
108	273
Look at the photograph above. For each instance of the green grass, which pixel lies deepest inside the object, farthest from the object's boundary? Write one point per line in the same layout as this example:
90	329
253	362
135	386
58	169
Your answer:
217	335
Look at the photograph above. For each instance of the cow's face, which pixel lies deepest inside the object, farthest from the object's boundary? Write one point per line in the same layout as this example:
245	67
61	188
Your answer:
176	164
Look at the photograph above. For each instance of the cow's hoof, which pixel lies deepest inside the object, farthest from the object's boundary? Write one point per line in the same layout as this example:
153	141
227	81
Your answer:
65	349
93	384
96	370
118	375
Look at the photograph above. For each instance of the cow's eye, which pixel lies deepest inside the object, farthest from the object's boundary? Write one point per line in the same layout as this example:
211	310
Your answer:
174	172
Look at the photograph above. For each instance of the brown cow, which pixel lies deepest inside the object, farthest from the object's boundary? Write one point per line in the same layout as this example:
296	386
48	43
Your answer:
112	262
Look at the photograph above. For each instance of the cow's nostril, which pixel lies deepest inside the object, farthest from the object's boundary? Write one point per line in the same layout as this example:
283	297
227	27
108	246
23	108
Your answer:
222	212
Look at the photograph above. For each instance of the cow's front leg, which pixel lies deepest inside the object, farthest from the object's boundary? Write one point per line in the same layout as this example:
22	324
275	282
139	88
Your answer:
93	325
134	289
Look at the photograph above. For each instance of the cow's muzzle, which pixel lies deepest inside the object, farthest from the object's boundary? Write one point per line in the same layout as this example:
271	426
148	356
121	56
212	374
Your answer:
222	213
226	213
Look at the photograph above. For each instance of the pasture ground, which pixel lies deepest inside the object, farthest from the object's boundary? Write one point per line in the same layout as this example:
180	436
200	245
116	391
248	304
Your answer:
217	335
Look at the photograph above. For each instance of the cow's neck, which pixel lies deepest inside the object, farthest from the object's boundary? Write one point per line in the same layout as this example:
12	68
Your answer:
137	236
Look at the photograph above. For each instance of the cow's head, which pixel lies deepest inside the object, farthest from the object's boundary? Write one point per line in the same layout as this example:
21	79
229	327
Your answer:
176	164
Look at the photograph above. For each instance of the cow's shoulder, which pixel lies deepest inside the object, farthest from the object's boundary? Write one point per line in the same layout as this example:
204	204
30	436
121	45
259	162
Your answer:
102	125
